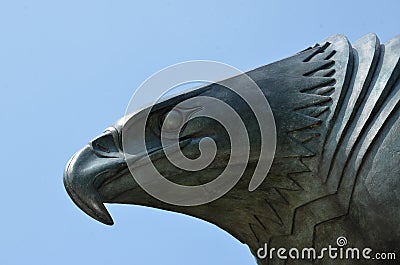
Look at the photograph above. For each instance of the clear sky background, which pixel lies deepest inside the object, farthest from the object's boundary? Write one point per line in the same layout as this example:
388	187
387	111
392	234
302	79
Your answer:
68	70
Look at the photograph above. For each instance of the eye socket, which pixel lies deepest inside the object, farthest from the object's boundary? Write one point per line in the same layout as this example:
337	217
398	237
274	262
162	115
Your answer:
172	121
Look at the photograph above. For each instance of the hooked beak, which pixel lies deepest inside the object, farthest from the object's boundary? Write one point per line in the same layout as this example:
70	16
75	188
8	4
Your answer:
84	174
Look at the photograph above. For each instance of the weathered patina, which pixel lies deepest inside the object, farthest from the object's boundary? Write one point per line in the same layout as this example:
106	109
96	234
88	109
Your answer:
336	167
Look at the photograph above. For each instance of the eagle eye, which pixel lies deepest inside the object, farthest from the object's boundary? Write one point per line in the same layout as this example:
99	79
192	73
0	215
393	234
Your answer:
172	121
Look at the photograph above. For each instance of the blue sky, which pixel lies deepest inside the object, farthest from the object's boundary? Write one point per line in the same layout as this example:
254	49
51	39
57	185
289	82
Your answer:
68	70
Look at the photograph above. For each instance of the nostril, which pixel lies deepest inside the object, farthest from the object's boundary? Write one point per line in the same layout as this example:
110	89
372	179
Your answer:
103	148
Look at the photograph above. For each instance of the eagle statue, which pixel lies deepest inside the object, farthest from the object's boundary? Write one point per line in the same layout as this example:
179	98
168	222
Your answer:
335	170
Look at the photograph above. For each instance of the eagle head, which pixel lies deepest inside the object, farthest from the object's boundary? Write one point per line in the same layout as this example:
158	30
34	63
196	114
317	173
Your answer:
121	165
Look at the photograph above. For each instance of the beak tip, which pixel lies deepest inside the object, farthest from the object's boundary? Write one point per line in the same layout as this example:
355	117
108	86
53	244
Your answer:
87	199
103	216
109	222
